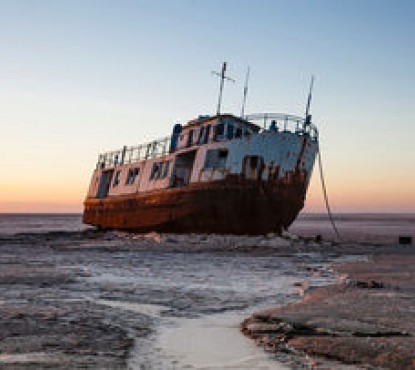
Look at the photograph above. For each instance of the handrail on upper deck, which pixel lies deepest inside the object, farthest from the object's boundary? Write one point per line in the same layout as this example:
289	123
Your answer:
284	123
160	147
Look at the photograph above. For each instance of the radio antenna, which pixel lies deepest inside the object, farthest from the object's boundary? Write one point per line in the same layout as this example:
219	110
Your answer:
245	93
223	77
307	110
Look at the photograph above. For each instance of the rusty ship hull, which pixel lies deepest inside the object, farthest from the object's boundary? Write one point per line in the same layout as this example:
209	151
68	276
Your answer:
235	205
221	174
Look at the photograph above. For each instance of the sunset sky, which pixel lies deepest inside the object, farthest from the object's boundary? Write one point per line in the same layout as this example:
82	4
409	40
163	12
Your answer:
81	77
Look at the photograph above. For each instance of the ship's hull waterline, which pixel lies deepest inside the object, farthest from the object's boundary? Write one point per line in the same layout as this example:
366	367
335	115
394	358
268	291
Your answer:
234	205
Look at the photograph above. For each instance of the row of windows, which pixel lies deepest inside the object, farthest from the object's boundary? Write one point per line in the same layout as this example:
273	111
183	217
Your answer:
131	176
202	137
160	170
220	131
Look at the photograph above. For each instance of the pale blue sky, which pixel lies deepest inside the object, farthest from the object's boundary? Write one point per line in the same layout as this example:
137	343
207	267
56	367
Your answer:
79	77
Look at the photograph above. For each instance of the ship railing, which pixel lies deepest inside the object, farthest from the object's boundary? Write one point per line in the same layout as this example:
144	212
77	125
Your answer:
132	154
283	123
265	121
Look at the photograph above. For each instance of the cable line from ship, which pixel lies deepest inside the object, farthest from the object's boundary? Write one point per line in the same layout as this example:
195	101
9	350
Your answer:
320	162
326	198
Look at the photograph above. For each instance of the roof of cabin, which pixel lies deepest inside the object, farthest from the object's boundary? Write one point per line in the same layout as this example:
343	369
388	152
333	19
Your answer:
205	119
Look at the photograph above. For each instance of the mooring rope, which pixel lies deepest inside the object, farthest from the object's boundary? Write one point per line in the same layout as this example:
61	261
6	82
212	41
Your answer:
326	198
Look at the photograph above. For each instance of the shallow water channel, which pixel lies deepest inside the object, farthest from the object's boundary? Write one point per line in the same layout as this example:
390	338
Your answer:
196	302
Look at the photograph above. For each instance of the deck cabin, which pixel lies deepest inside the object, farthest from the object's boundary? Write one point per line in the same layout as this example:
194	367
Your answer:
207	149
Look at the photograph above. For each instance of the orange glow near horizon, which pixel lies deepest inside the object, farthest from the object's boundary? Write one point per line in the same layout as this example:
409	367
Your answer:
361	196
44	198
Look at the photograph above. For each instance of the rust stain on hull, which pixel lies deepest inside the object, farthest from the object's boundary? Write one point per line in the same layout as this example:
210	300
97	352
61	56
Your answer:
235	205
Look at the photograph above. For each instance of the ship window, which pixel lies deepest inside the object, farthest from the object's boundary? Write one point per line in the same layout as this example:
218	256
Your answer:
189	138
166	168
116	179
155	171
238	132
219	131
131	176
207	134
230	132
201	134
222	153
216	158
160	170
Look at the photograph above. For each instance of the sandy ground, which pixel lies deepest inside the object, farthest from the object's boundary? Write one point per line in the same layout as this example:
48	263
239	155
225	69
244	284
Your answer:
367	319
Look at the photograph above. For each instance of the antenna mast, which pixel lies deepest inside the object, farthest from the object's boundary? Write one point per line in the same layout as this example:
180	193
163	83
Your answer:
245	93
307	110
223	77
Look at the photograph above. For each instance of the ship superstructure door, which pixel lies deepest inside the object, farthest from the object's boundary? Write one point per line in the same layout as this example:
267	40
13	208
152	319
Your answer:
252	167
104	184
182	170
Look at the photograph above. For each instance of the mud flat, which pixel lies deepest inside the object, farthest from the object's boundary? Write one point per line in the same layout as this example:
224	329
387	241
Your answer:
42	325
48	316
102	300
366	319
110	300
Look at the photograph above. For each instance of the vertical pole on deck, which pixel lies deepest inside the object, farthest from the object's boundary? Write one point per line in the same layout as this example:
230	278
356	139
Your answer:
307	109
245	93
223	77
124	150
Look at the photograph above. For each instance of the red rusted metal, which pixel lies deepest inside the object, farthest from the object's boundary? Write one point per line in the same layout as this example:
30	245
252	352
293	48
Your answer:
235	205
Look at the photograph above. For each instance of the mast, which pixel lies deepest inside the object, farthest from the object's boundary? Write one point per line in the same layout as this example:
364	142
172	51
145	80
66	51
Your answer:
245	93
223	77
307	110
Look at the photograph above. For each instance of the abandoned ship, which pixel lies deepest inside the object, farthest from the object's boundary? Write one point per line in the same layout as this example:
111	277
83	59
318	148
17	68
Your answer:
231	174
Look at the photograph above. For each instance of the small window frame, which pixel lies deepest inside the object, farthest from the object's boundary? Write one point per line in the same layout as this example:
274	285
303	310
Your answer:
116	180
132	175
